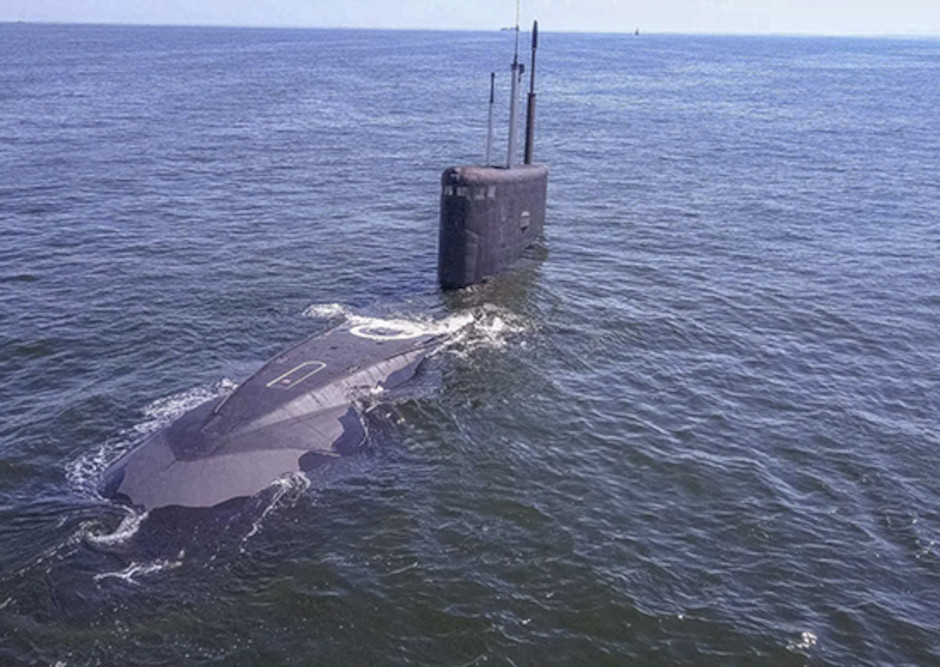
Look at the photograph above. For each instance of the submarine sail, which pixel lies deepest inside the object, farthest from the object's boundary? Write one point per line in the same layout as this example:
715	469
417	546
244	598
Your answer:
490	214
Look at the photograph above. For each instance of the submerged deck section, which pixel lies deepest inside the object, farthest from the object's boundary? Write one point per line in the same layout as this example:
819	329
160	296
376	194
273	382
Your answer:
298	412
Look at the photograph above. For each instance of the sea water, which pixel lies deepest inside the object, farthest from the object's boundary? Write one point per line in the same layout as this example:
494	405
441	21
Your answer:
697	425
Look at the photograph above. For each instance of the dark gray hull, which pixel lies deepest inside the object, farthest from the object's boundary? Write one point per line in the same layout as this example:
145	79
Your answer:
295	414
489	215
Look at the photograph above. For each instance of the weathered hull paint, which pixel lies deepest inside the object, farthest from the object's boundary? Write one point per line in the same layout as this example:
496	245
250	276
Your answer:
489	215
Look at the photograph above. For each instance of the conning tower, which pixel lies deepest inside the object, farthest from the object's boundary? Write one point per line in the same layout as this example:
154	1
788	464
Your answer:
490	214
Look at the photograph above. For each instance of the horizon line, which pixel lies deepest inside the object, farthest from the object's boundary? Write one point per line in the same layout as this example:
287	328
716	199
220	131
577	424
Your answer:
627	32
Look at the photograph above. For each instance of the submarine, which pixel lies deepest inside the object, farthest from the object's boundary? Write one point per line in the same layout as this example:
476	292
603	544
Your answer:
299	412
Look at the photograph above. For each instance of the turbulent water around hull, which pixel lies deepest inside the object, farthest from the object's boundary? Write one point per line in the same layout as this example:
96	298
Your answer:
698	425
485	327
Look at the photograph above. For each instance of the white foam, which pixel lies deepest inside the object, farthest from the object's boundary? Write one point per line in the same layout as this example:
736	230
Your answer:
327	311
162	411
133	570
286	490
925	547
485	326
806	641
401	331
128	527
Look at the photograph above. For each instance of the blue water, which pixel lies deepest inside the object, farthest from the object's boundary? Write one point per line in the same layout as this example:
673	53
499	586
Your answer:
698	425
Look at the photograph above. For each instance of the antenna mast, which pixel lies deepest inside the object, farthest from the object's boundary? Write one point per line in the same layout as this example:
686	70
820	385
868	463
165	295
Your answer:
530	111
514	99
489	119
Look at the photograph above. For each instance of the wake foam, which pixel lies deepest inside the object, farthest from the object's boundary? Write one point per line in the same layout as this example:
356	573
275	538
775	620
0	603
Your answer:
128	527
285	491
486	326
134	570
328	311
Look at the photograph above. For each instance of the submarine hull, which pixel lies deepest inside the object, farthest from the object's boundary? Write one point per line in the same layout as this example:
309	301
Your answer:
489	215
297	413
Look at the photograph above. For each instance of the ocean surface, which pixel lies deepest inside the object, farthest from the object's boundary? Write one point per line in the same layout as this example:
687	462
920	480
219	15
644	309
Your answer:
700	424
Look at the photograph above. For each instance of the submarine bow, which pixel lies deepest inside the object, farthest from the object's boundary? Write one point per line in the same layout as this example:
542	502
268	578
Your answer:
295	414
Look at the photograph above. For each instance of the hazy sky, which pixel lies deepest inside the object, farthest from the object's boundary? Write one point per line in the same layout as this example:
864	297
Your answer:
740	16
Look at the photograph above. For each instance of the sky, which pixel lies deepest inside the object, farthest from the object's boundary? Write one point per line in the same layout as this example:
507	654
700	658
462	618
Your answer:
832	17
